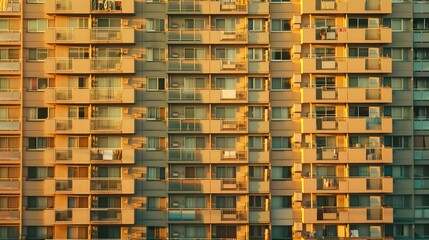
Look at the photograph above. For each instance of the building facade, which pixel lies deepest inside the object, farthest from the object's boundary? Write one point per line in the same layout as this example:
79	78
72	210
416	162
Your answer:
229	119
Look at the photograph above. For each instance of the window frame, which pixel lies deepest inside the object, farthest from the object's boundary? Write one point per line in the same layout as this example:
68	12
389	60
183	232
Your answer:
40	54
156	54
282	25
286	84
283	140
285	54
282	110
40	28
159	82
37	113
155	24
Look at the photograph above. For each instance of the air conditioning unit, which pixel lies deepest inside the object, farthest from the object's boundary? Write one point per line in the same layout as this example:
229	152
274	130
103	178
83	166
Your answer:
297	226
328	5
175	144
297	137
297	167
297	108
175	174
175	204
174	55
175	234
174	114
174	26
296	22
296	80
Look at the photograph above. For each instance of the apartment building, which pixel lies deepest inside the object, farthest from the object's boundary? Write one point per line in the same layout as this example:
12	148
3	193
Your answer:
229	119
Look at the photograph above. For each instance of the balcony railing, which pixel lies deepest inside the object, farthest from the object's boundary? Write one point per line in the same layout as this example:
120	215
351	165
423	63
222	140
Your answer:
106	215
332	183
87	35
10	36
421	65
184	125
10	95
9	153
184	155
184	95
66	154
191	185
420	7
331	122
107	184
9	214
333	213
9	124
86	65
421	94
13	6
10	65
9	184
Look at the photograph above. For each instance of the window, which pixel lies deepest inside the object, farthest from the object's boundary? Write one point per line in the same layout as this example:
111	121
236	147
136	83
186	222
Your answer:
37	113
155	173
398	201
155	232
278	83
256	25
420	142
37	54
155	25
397	83
155	84
281	232
397	24
398	112
226	202
280	113
398	142
39	173
281	173
279	202
280	25
155	54
256	172
397	171
38	143
194	24
257	231
154	143
256	54
255	142
281	143
358	52
37	25
40	232
358	23
397	54
256	202
255	83
155	203
34	84
280	54
255	113
155	113
40	202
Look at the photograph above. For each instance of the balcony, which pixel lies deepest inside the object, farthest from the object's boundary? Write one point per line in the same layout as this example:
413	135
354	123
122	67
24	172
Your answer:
86	7
89	35
9	155
347	215
421	95
176	65
347	185
207	96
206	37
226	215
207	126
13	8
10	96
10	37
421	124
10	126
346	65
90	156
363	155
10	66
9	215
92	125
346	125
206	156
95	186
421	36
421	65
345	95
90	95
207	186
206	7
346	35
8	185
346	7
420	7
89	66
113	216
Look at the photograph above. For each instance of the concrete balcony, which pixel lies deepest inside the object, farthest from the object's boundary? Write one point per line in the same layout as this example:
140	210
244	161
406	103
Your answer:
207	126
176	65
10	96
259	38
10	37
346	125
89	66
94	186
346	65
259	96
259	8
90	156
9	185
112	216
34	188
181	36
93	35
9	215
206	156
85	7
207	186
347	215
13	8
92	125
10	155
346	35
232	216
10	126
346	7
10	66
346	95
347	185
206	7
207	96
347	155
90	95
40	217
